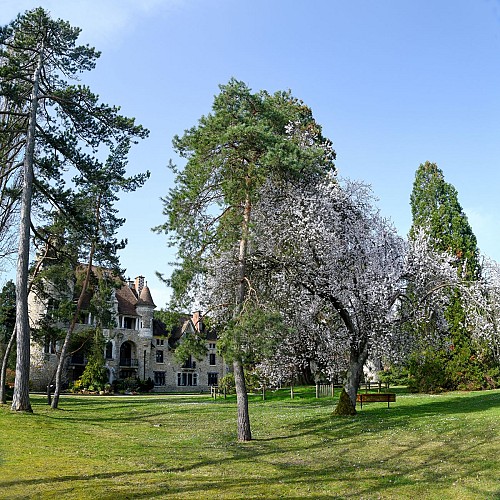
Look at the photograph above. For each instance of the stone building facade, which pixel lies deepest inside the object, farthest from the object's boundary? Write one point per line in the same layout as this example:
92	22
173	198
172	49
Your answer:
137	347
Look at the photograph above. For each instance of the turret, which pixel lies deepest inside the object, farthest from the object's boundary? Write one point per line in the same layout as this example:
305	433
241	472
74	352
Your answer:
145	305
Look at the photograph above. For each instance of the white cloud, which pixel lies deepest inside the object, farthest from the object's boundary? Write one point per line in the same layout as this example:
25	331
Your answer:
103	22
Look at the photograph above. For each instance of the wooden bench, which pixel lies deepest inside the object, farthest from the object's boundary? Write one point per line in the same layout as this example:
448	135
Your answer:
387	397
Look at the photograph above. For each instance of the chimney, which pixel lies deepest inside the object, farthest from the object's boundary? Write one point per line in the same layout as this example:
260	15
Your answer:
197	320
139	284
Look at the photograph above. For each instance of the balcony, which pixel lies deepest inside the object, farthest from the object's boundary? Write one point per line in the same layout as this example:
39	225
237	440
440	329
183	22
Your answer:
129	362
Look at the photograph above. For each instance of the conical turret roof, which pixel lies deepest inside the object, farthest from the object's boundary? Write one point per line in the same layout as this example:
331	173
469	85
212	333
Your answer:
145	298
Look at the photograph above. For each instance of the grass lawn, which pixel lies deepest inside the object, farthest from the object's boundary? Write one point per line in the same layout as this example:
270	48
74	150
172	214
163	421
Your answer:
441	446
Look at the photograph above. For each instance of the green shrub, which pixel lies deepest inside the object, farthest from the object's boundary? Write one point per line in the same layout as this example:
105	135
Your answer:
226	383
253	382
492	378
145	385
460	367
394	375
427	372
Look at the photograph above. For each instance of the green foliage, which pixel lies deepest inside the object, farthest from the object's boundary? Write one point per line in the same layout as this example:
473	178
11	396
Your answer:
95	374
394	375
226	383
454	368
232	152
427	372
62	128
248	140
133	384
73	125
252	336
146	385
435	207
171	319
130	384
7	311
191	344
253	382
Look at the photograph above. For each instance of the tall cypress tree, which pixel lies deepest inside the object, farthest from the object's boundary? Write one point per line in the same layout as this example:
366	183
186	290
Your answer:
436	209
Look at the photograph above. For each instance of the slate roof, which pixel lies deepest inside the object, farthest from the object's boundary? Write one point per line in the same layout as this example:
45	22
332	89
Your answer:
127	300
145	297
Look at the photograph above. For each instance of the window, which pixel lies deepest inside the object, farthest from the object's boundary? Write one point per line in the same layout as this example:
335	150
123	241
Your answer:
52	307
129	323
49	346
213	378
160	341
211	345
109	350
159	356
159	378
211	359
187	379
189	363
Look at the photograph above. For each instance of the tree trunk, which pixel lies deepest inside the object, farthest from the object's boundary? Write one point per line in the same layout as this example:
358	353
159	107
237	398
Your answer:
357	359
69	333
3	374
244	431
13	337
21	398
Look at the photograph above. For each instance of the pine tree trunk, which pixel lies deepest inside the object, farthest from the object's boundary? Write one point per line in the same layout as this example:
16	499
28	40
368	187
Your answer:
64	350
3	374
21	398
244	431
12	340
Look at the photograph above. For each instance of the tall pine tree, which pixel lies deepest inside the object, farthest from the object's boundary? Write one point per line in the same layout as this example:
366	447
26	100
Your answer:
61	126
248	139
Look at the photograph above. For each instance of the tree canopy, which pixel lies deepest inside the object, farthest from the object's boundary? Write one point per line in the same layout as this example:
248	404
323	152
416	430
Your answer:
248	140
435	207
437	211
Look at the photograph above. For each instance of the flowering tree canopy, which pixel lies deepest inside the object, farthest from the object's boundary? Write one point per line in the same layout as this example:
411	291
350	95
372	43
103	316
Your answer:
329	241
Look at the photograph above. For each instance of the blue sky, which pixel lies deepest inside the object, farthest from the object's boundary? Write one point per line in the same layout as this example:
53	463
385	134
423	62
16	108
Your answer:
393	83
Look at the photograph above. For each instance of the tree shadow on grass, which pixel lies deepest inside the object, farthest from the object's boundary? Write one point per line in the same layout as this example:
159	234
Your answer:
89	409
284	457
340	474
